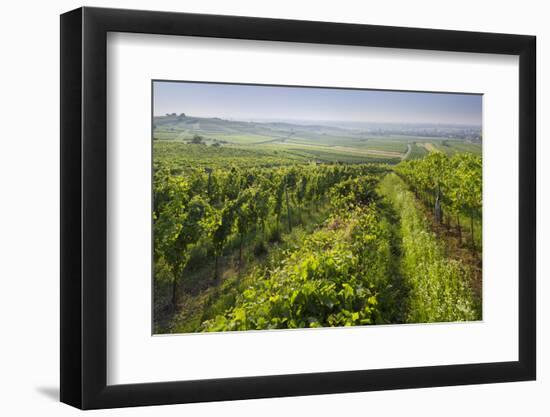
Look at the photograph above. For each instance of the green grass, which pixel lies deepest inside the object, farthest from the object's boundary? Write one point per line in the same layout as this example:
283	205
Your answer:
161	134
439	288
386	145
241	139
328	155
417	152
360	143
452	147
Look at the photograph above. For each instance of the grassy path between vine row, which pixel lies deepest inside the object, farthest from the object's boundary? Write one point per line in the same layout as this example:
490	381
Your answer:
439	286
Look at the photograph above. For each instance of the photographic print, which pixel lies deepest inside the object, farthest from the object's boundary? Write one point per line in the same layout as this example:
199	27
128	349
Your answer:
290	207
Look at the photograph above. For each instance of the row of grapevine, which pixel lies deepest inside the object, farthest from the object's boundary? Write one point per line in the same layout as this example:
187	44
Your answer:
220	203
336	277
452	186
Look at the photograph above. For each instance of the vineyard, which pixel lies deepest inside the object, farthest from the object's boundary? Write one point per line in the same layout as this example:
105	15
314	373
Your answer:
272	237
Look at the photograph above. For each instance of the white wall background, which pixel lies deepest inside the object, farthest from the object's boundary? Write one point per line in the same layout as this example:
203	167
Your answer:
29	209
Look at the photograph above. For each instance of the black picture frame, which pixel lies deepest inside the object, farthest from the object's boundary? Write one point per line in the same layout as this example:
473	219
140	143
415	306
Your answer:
84	207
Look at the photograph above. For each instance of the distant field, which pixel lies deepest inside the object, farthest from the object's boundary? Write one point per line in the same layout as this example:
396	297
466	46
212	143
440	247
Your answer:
430	147
241	139
452	147
270	149
321	138
321	155
343	149
417	152
183	134
302	142
387	145
335	153
167	134
183	156
390	145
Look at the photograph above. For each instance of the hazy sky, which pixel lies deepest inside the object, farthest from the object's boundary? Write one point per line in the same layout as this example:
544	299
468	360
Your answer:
249	102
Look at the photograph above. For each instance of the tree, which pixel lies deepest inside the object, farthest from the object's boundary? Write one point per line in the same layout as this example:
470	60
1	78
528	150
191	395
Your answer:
197	140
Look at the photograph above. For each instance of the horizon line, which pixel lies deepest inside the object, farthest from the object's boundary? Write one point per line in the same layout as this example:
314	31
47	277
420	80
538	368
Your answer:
274	119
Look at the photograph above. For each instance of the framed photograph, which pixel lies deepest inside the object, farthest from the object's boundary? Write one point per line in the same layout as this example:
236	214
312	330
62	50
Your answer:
257	208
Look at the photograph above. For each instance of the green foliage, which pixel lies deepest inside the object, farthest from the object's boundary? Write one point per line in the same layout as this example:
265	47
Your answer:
333	279
455	183
458	180
354	191
179	218
190	203
197	139
345	272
